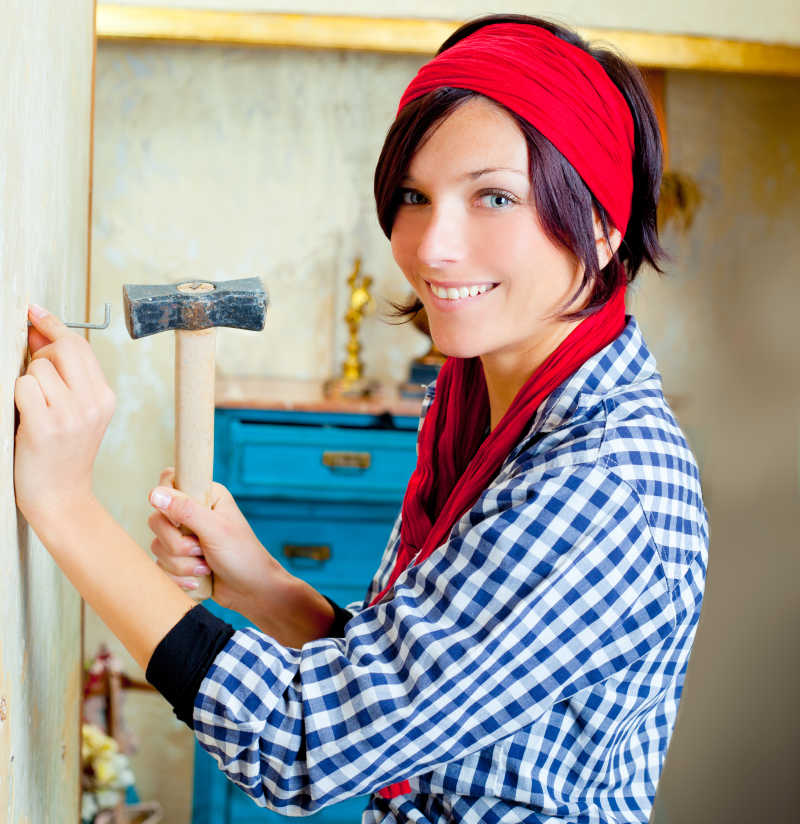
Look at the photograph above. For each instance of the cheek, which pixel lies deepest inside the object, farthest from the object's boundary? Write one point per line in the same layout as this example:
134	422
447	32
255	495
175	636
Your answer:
507	243
543	266
396	248
402	249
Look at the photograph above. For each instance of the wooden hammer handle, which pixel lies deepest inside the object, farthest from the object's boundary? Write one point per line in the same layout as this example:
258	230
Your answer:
194	424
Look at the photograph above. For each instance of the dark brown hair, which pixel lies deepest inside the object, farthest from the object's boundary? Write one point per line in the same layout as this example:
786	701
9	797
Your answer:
563	201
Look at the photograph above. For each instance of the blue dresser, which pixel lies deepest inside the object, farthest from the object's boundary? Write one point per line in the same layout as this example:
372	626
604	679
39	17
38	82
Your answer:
321	490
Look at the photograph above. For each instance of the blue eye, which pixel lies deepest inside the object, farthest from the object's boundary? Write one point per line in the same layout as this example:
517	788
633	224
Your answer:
411	197
496	200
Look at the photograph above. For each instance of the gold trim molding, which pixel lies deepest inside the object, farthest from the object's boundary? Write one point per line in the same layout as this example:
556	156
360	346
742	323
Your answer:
421	36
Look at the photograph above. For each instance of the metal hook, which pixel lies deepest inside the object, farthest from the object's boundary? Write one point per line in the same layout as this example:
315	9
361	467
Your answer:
103	325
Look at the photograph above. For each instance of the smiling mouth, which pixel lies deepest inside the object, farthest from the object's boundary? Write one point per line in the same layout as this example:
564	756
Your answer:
460	292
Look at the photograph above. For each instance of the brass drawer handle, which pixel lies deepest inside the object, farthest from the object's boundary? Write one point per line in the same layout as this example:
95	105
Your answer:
316	552
347	460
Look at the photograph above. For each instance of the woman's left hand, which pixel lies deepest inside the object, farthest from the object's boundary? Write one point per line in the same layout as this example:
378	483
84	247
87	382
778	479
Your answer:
65	406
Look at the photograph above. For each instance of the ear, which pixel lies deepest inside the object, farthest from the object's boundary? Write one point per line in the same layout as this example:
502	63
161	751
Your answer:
605	251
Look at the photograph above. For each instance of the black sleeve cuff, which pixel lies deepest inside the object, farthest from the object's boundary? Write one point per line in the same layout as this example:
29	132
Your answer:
340	618
184	656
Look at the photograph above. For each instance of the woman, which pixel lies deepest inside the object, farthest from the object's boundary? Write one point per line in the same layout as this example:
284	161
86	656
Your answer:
521	651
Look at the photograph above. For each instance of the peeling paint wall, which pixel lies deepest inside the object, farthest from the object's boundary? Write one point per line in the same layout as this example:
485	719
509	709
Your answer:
220	161
45	96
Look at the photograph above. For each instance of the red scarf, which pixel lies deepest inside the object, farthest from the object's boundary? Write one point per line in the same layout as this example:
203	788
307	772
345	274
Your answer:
456	463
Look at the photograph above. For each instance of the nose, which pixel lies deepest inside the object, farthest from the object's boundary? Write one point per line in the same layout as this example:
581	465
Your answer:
442	238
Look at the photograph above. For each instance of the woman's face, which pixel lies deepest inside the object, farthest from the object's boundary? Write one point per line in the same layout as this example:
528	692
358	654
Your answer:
468	239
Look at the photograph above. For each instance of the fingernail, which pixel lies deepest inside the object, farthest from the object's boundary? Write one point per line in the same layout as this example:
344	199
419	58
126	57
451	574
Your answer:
37	311
160	500
196	550
190	585
201	569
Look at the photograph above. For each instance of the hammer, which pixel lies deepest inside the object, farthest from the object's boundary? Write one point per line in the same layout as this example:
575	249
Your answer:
194	309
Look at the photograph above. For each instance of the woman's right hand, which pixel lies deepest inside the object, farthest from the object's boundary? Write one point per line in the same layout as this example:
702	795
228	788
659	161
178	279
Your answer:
244	572
246	577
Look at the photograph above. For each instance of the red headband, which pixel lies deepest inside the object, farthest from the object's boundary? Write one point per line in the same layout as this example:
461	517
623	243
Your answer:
559	89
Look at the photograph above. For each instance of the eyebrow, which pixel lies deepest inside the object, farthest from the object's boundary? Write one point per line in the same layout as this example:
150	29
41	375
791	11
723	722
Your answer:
479	173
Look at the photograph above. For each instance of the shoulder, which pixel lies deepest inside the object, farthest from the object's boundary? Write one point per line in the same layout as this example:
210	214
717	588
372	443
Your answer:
620	463
571	529
612	414
560	503
644	445
616	430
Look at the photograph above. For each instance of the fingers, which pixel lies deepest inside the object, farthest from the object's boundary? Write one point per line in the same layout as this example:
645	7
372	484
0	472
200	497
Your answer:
178	564
186	583
167	477
29	398
171	539
36	340
219	493
70	353
52	387
68	413
180	556
180	509
47	324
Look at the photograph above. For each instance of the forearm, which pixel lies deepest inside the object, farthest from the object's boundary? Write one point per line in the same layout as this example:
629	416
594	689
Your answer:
291	611
188	652
132	596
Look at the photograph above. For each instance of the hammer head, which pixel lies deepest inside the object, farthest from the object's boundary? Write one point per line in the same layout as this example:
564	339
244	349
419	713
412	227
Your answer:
195	304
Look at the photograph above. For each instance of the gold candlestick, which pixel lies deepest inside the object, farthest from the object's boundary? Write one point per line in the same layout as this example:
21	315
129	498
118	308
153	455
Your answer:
352	382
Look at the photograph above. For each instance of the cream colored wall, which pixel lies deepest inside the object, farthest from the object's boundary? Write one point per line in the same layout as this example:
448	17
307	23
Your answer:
724	327
224	162
770	20
45	97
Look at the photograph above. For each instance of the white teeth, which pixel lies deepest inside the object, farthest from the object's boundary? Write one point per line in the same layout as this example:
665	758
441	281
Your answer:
456	293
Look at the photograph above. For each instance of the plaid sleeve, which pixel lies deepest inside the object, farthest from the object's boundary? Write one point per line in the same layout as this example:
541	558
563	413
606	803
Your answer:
545	588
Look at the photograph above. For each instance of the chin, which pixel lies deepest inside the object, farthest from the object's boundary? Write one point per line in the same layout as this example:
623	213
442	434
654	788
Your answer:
455	348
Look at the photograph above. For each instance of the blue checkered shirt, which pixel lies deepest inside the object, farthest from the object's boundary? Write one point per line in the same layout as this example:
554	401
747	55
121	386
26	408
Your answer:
530	669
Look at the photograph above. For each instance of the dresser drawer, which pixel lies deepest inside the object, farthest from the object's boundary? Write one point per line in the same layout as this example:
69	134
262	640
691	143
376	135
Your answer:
320	462
244	811
336	547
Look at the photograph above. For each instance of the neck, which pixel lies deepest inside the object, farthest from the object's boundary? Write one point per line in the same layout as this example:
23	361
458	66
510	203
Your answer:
506	372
